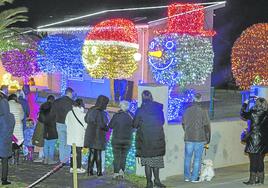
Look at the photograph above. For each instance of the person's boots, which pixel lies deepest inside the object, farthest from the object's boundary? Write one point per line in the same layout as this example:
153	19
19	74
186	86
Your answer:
4	162
252	179
90	163
260	178
5	182
157	181
148	174
99	163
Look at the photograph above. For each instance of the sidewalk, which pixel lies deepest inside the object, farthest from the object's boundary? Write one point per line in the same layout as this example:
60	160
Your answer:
228	177
27	172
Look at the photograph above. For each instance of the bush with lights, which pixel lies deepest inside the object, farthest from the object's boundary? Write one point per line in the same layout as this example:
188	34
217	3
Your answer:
21	62
111	50
250	55
61	53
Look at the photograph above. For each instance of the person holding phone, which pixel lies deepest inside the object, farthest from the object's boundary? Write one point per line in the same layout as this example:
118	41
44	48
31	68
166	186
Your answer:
257	139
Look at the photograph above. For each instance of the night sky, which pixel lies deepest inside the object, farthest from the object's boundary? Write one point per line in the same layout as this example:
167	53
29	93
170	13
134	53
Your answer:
229	21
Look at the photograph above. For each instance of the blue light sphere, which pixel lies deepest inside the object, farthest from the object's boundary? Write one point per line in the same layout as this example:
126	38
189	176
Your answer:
61	53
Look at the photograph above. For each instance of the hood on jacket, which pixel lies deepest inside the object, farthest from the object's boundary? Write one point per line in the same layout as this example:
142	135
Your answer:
46	107
152	107
102	102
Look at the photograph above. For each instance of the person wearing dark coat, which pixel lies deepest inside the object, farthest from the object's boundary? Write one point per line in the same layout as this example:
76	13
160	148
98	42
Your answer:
60	108
95	136
122	125
25	106
7	123
257	141
150	137
50	132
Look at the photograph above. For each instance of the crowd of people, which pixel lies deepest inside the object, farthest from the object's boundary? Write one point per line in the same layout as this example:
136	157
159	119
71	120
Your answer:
67	121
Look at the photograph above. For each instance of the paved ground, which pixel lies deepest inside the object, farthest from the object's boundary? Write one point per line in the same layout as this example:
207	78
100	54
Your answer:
26	173
229	177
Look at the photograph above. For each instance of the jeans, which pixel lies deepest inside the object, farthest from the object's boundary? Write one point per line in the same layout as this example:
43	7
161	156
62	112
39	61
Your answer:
49	148
64	149
78	157
120	155
193	149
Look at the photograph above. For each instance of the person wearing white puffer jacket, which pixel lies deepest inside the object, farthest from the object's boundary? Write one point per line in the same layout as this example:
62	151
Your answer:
18	138
76	127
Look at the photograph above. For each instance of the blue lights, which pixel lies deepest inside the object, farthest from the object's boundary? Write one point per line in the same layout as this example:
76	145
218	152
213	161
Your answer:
184	59
61	53
177	105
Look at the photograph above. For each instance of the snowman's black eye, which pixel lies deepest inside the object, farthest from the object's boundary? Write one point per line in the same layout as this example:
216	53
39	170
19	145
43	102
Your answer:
169	45
152	45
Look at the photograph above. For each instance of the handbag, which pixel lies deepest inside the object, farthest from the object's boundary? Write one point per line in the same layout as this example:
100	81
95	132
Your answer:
245	136
38	136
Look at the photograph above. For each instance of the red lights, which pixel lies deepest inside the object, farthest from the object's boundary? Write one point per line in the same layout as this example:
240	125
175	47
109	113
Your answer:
114	30
187	18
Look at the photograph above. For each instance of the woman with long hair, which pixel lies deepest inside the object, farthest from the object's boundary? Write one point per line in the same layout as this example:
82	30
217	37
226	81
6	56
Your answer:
257	139
95	137
150	137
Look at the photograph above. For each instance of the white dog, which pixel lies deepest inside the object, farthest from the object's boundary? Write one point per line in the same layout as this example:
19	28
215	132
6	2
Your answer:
207	171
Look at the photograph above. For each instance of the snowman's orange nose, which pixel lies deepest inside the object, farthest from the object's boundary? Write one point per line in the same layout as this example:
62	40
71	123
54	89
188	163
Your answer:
157	53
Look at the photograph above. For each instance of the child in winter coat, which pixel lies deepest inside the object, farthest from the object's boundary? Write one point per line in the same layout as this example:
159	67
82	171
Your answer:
28	135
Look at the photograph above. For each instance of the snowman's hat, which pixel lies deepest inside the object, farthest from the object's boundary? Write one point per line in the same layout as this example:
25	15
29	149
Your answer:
187	18
114	32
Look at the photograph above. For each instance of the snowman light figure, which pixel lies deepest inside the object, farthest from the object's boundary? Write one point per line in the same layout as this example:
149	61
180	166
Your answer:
182	54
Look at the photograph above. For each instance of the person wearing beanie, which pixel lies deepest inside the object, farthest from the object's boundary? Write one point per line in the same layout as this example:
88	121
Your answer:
122	125
95	138
196	126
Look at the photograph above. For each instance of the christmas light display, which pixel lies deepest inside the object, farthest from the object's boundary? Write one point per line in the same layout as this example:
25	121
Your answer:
110	49
177	105
7	81
182	54
250	55
131	157
180	59
20	63
186	18
61	53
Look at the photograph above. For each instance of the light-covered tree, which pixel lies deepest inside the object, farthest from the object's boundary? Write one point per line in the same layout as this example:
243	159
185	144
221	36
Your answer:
9	35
